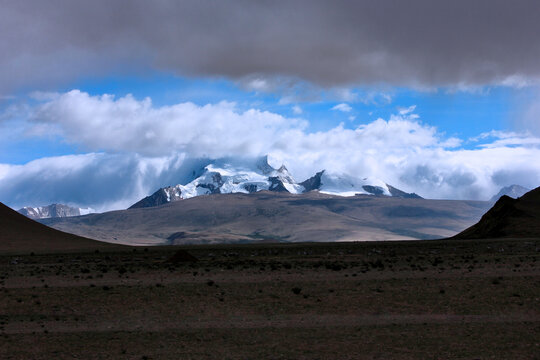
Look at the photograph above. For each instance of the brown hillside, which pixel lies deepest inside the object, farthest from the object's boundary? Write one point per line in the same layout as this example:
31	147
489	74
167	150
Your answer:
267	216
508	218
19	234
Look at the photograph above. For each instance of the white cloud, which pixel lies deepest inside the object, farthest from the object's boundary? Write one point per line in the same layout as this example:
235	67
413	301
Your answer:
137	147
408	110
105	123
258	84
342	107
377	98
97	180
507	138
297	109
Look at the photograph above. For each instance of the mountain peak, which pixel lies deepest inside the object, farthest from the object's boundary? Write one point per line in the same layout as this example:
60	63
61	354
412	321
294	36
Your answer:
263	165
249	175
514	191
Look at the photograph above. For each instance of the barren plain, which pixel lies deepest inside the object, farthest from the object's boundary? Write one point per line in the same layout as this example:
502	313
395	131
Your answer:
441	299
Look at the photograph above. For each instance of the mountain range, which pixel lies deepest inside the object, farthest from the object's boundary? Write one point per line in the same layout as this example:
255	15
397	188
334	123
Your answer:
53	211
277	216
248	200
248	176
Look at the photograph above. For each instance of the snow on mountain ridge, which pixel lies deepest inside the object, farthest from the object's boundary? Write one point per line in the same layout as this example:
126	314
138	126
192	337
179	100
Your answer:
53	211
231	175
346	185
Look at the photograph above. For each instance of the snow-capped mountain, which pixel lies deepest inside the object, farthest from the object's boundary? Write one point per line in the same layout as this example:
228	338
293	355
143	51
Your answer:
53	211
514	191
346	185
248	176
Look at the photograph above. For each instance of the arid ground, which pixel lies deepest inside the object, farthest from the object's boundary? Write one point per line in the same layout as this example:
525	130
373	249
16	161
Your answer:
445	299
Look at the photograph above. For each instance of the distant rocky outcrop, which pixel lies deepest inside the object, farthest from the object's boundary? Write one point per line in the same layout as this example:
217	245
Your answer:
508	218
402	194
513	191
313	183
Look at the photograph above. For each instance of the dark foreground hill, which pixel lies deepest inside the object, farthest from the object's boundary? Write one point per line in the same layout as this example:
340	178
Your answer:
20	234
509	218
266	216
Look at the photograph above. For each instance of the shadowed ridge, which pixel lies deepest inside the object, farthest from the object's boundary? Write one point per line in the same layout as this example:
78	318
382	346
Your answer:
156	199
508	218
20	234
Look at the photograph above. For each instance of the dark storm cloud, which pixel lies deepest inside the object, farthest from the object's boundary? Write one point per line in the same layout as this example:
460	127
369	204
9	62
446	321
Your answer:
330	43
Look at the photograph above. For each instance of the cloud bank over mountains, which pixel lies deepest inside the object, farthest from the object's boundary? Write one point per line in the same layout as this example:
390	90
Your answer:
300	51
135	147
418	43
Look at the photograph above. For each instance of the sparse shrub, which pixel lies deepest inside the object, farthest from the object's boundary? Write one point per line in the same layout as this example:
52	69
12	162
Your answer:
296	290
